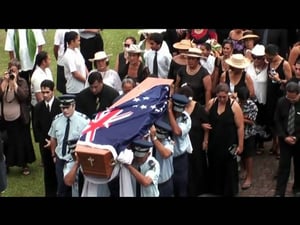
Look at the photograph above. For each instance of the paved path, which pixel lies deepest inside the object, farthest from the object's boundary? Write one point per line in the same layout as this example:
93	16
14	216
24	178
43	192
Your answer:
263	184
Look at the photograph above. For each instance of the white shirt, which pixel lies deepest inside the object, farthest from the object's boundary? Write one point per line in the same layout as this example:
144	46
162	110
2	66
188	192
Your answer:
37	77
59	40
26	62
73	61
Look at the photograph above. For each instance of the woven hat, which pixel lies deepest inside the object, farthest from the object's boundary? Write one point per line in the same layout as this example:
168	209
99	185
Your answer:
184	44
248	34
194	52
238	61
100	55
134	49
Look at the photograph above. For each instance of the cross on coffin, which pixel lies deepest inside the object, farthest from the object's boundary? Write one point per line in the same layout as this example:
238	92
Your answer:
91	160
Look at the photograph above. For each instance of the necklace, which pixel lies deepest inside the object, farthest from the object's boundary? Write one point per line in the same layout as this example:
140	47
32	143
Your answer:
257	70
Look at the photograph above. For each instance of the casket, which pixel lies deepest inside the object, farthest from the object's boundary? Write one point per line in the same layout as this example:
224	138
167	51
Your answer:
95	161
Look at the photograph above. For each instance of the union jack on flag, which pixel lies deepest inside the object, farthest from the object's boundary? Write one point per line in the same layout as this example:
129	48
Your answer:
132	118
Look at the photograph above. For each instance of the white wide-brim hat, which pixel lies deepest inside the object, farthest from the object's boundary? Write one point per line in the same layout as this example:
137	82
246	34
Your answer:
258	50
134	49
100	55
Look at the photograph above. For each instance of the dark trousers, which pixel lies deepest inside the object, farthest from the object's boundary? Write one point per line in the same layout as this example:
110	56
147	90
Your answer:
166	188
88	47
50	181
180	178
286	153
62	189
60	79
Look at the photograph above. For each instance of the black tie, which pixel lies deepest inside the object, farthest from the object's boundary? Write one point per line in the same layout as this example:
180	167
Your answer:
138	186
48	107
65	140
97	104
291	120
155	65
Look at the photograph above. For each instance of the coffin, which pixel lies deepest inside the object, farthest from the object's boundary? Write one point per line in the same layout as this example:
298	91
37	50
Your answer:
95	161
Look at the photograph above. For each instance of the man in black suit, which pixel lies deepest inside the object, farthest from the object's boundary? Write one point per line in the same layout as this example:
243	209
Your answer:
95	98
278	37
288	131
44	112
91	100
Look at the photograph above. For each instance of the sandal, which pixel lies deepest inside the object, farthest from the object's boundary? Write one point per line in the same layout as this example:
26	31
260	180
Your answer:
25	171
245	186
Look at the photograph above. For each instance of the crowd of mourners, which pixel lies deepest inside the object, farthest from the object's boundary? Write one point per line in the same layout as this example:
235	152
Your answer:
232	90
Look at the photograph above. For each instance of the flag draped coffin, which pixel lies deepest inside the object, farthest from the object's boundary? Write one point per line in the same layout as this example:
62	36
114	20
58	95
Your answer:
130	117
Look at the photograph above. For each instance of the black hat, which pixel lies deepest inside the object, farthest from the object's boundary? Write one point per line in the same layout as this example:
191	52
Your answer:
179	102
162	127
66	100
140	147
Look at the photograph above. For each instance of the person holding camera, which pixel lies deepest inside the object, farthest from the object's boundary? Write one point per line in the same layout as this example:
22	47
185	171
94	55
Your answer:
14	94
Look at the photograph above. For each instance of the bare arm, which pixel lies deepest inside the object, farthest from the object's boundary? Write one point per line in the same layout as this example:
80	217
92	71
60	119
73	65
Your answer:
55	51
239	122
223	77
140	178
69	178
208	87
287	71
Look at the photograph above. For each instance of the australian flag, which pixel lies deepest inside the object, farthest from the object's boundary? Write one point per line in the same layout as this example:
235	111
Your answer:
132	118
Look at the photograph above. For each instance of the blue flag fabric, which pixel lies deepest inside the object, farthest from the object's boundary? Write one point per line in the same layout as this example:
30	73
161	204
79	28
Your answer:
119	125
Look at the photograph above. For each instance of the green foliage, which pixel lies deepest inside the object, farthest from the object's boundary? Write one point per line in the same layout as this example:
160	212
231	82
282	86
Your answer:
32	185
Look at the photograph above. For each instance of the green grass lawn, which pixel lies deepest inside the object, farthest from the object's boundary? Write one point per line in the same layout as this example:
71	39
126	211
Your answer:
32	185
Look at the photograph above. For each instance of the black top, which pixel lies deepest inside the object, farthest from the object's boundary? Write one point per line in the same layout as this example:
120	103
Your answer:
86	100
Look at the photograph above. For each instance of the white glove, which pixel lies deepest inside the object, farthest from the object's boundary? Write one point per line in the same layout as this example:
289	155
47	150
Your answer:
125	157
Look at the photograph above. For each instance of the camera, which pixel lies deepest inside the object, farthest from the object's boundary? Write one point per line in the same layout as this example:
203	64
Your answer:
11	75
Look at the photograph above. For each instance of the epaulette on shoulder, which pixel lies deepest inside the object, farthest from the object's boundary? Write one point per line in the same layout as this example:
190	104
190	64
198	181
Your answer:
57	116
83	115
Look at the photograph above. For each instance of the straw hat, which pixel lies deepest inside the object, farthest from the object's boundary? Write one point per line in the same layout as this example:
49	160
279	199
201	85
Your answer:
100	55
134	49
194	52
238	61
248	34
258	50
184	44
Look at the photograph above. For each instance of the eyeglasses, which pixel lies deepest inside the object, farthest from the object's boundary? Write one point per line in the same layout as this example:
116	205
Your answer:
257	57
126	45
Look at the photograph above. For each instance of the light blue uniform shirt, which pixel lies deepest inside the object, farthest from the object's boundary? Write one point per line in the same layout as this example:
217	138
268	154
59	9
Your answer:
182	143
166	164
149	168
78	122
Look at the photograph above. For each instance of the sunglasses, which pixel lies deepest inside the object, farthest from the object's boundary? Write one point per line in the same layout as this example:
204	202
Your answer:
257	57
126	45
